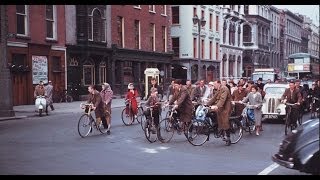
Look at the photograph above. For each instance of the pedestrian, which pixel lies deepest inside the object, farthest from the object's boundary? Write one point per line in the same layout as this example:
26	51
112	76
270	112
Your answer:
106	95
255	98
221	104
48	94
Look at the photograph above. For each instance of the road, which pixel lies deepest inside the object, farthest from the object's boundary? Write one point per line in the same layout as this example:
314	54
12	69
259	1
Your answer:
51	145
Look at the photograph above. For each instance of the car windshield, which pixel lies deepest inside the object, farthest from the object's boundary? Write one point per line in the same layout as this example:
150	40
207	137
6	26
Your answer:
264	76
275	90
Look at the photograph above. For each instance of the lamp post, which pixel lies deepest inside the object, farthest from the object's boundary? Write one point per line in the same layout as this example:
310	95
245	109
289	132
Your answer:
200	22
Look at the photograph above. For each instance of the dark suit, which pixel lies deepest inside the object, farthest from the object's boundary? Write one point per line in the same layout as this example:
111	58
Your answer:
185	106
199	92
294	97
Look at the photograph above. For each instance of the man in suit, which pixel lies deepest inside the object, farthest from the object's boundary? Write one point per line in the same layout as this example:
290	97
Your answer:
221	104
199	91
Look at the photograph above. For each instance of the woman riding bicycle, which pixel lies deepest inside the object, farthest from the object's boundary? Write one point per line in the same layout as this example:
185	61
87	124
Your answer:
131	97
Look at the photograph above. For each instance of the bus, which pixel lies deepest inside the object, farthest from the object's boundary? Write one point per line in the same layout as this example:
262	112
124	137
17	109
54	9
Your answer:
303	65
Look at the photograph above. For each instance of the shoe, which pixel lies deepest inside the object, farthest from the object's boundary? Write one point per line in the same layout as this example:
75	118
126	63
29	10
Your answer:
257	133
108	132
228	142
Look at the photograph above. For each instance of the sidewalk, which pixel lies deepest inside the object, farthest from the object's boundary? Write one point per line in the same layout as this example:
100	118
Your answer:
24	111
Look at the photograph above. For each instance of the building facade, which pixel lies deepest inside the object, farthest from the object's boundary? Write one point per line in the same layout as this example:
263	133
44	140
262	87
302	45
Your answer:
231	43
275	60
256	38
36	48
188	44
291	34
140	39
314	41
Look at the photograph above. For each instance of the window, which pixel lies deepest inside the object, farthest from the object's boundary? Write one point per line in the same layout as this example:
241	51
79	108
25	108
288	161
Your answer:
22	19
210	21
246	9
217	23
210	50
224	31
195	47
217	51
164	38
175	15
202	48
239	34
19	59
51	21
164	10
232	7
202	13
152	36
120	31
102	72
152	8
239	8
97	26
127	72
137	6
56	64
88	73
176	46
137	34
194	11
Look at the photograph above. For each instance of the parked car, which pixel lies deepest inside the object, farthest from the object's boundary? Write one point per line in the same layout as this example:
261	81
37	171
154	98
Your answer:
272	106
300	149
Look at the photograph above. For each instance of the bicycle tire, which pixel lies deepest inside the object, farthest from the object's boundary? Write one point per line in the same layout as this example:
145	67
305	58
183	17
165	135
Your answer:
85	121
139	114
69	98
127	119
149	132
198	133
236	132
166	130
101	128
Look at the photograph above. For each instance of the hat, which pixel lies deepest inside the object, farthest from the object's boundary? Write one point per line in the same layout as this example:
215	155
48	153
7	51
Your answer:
260	79
107	85
130	86
211	83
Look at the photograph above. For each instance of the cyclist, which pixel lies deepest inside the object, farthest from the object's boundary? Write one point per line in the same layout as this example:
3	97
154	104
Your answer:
106	95
153	101
199	91
292	96
132	96
221	104
98	107
182	102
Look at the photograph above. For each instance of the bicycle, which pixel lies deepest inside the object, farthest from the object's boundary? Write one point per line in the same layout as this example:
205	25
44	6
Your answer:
288	122
170	124
314	108
151	129
202	126
247	123
128	116
65	97
86	122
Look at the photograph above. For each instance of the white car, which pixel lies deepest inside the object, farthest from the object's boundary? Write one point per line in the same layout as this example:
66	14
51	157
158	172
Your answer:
272	106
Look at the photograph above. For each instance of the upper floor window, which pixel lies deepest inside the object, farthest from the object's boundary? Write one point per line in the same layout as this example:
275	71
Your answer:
246	9
137	6
175	14
97	26
22	19
152	36
164	38
210	21
137	34
120	31
51	21
176	46
164	10
152	8
194	11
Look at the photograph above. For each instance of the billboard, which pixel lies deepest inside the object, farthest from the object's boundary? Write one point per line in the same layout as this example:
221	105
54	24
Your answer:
39	69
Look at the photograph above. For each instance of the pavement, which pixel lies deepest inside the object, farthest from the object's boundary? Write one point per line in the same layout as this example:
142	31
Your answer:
24	111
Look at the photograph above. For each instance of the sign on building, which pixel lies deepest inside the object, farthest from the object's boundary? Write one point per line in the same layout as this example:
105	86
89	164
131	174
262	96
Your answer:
39	69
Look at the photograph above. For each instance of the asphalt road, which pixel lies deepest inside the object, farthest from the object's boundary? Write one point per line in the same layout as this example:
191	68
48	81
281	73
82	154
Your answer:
51	145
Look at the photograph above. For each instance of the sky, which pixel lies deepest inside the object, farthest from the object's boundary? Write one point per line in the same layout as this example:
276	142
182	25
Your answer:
311	11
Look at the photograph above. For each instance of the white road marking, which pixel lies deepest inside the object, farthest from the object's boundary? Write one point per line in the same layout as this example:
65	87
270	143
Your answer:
269	169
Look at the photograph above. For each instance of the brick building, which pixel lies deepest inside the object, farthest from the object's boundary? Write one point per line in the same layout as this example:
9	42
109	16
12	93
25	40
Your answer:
36	48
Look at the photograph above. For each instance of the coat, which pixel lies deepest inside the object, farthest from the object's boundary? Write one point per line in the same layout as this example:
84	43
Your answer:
198	93
97	102
296	96
185	106
134	104
222	99
39	91
237	96
48	93
255	101
106	96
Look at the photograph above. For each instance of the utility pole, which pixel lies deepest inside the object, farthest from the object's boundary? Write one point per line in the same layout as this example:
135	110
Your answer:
6	103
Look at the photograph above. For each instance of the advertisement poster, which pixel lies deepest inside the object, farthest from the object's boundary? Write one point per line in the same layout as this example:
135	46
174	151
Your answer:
39	69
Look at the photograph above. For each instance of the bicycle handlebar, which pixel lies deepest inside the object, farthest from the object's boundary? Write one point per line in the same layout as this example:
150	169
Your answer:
290	104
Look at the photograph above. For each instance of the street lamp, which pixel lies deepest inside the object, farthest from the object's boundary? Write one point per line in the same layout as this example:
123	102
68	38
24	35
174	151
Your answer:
201	22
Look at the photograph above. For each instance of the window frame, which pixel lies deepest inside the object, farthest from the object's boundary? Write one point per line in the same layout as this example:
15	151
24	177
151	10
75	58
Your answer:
92	69
164	10
26	21
54	23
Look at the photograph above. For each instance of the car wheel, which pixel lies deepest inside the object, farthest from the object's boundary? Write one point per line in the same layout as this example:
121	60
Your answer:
313	165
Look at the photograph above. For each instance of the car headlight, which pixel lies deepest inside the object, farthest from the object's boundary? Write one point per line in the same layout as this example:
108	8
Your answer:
278	110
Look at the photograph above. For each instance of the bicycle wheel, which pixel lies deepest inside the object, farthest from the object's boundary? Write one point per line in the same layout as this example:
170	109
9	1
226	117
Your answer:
127	119
69	98
84	125
198	133
140	114
236	131
143	121
166	130
101	127
287	125
150	131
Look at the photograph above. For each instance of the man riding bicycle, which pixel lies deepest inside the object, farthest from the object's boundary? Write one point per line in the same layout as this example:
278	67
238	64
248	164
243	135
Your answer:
153	101
293	96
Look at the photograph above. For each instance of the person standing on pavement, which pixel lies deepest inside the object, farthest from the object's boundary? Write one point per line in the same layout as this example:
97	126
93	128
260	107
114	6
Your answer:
221	104
106	95
98	107
48	94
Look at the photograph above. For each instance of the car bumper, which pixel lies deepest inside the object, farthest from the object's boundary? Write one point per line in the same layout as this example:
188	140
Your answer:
276	158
